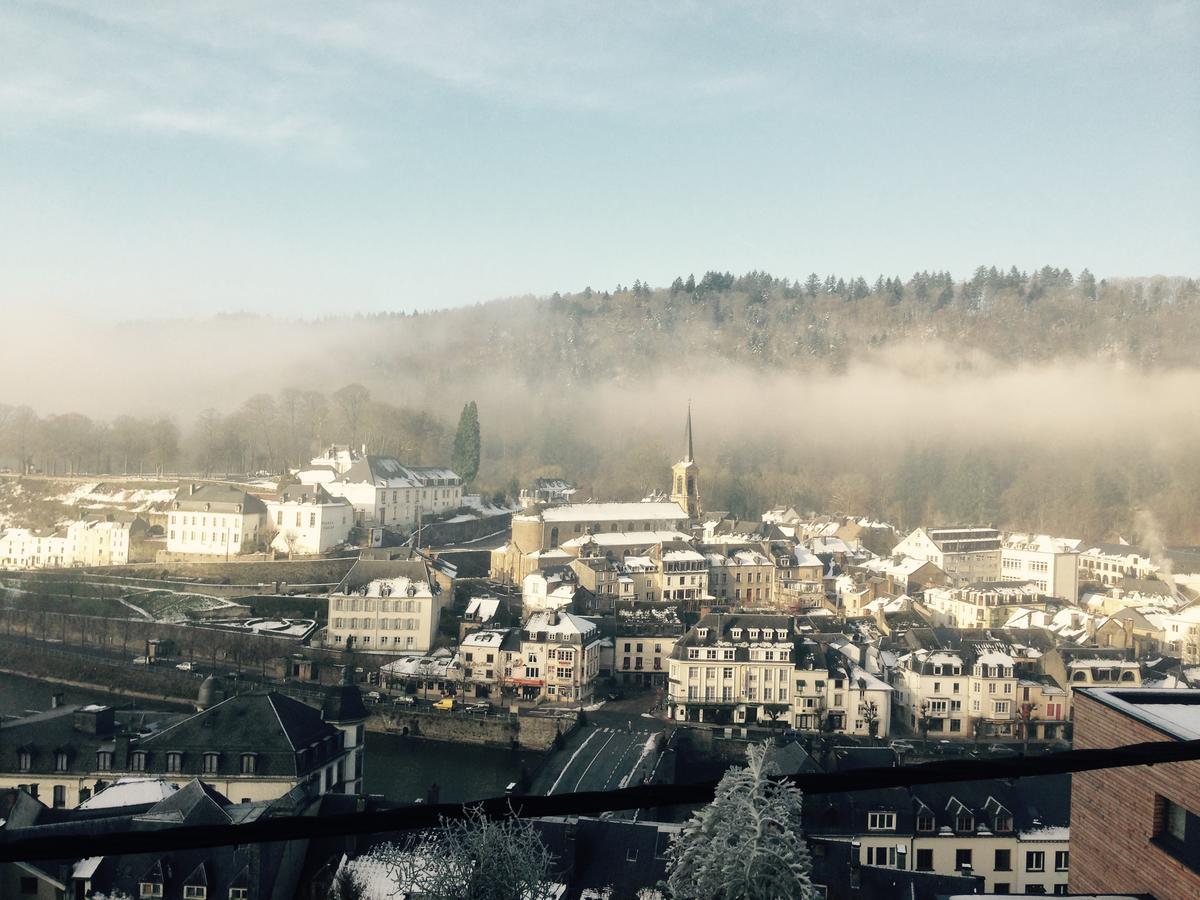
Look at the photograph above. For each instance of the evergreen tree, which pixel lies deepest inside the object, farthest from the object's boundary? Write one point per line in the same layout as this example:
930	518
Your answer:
690	284
747	843
464	455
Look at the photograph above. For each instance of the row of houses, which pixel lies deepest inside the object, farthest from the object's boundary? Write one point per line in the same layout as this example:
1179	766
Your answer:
104	541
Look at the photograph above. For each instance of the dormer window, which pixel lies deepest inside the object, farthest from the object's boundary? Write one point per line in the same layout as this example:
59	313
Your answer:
149	889
137	761
212	763
1004	822
735	634
249	763
174	762
881	821
104	760
195	892
702	633
964	821
61	761
24	760
754	634
925	821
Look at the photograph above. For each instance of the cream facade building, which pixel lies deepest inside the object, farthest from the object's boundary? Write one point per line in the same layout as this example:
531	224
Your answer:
983	605
389	607
743	577
750	668
215	521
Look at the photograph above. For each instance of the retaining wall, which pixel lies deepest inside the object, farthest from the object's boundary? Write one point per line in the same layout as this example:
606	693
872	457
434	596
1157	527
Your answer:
526	732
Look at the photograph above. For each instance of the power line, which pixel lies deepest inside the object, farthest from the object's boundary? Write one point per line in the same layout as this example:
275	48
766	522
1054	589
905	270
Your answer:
418	816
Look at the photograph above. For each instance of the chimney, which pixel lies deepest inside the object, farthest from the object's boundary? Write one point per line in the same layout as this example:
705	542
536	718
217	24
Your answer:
94	719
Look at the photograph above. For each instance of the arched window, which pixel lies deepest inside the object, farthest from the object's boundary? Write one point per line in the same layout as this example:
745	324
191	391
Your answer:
679	484
554	536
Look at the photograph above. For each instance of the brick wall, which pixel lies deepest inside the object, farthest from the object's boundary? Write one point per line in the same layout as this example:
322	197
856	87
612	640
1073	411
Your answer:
1113	812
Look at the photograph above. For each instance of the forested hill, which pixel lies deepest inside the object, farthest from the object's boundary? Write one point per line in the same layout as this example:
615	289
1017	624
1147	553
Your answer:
764	321
1041	401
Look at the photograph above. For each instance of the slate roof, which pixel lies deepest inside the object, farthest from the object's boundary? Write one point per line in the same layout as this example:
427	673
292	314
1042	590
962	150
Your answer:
217	498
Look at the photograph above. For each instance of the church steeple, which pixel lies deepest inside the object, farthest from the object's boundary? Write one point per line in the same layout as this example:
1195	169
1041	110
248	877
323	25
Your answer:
685	477
690	455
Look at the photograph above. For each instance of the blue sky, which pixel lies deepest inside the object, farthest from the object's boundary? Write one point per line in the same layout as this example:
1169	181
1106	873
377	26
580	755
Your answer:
305	158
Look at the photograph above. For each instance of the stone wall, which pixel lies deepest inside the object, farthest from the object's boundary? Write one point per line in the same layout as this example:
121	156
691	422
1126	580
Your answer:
526	732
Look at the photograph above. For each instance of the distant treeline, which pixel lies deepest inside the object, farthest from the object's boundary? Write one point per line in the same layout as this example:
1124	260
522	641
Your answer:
573	385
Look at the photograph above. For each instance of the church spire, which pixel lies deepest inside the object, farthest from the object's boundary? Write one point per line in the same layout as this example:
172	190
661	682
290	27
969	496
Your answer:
690	457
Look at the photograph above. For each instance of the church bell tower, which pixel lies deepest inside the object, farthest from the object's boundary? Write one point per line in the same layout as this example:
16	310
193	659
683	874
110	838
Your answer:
685	478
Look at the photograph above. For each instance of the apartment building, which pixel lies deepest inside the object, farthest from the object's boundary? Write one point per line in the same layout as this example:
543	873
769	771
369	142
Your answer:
34	548
1050	563
386	606
255	746
308	520
562	651
799	579
753	668
644	638
741	577
969	684
1015	835
983	604
215	521
966	553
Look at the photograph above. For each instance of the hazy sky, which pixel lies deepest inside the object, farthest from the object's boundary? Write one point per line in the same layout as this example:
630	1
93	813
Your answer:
301	158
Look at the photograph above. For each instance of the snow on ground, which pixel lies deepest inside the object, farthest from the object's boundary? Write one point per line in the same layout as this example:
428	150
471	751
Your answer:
133	499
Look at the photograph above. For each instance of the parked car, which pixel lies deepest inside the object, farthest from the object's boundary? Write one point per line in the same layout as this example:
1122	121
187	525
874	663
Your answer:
141	660
405	701
903	746
374	696
477	708
446	703
184	667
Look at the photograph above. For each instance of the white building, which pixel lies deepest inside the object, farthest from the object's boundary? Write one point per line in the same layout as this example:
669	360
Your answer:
384	492
966	553
1051	563
214	520
1111	564
747	668
308	520
29	548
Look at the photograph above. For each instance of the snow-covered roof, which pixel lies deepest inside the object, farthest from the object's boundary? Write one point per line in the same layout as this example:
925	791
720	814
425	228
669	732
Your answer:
654	510
563	623
130	792
482	608
628	538
398	587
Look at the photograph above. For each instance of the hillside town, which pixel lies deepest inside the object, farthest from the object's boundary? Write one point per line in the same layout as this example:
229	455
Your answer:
840	640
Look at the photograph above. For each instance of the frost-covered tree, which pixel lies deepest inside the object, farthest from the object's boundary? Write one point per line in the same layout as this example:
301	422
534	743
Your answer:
748	843
474	858
346	886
